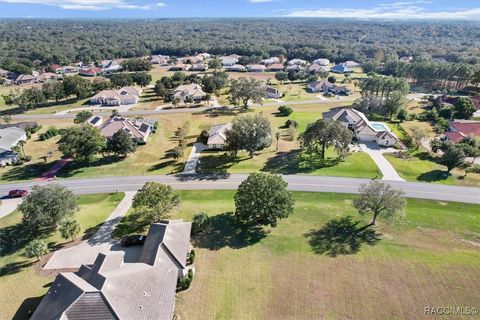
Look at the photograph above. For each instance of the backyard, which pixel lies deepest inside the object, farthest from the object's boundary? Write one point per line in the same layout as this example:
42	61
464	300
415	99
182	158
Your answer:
430	258
21	288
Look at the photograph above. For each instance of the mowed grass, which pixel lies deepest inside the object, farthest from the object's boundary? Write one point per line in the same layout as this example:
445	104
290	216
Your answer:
19	284
430	258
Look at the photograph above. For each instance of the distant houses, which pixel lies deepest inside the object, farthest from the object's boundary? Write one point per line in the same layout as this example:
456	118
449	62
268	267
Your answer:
316	68
269	61
362	128
191	90
275	67
228	61
124	96
142	286
218	136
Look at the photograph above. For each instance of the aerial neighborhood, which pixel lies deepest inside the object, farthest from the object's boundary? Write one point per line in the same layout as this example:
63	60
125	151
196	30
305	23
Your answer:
238	168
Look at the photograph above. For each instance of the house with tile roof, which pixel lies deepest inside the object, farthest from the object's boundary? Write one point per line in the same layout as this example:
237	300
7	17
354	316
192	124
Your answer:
363	130
124	96
218	136
141	287
460	129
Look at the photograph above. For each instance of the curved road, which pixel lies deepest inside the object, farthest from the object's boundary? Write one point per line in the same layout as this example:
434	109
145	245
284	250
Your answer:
231	181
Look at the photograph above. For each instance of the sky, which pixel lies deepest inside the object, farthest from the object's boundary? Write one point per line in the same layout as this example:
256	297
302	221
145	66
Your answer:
357	9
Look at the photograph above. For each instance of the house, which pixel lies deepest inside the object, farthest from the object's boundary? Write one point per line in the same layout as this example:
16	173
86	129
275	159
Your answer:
256	68
316	68
322	62
55	68
139	129
110	66
26	79
406	59
9	138
298	62
319	86
276	67
70	69
341	68
204	55
124	96
269	61
192	90
159	59
191	60
142	286
272	92
295	67
218	136
43	77
4	73
341	90
237	68
363	130
180	67
199	67
228	61
91	72
460	129
351	64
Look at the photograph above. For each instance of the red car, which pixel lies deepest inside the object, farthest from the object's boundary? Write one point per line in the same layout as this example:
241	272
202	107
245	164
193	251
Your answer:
18	193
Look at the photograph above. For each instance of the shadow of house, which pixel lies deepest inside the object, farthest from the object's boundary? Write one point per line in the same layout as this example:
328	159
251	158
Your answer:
76	167
341	237
296	161
26	308
225	231
218	163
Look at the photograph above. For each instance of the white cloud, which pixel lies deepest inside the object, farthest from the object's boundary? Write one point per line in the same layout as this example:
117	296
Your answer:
88	5
161	4
260	1
396	10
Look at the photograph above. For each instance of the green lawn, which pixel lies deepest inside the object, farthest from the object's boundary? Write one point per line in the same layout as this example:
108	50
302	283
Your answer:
421	168
429	258
19	283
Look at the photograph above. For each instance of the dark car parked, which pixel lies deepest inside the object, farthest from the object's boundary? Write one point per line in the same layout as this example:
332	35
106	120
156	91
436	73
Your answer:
133	240
17	193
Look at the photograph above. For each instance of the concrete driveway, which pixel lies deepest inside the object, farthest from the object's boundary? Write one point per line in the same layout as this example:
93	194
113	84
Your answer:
101	242
376	153
192	160
8	206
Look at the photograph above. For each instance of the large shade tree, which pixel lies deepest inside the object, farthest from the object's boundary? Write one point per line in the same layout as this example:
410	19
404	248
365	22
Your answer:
244	90
82	143
326	133
155	200
250	133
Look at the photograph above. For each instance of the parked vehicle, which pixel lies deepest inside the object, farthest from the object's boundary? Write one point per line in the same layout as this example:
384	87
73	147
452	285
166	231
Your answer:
133	240
17	193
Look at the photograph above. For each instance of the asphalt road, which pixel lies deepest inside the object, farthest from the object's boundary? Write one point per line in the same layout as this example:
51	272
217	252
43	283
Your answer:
229	182
167	111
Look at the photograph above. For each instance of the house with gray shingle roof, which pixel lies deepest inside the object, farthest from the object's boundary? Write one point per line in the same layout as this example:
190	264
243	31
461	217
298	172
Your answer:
139	129
124	96
113	288
218	136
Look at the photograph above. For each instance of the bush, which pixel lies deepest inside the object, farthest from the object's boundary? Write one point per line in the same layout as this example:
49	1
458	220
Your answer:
291	123
203	137
51	132
192	256
184	282
27	158
285	111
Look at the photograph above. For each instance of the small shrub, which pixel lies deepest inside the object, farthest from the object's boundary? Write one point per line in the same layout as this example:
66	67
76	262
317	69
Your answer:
291	123
184	283
285	111
192	256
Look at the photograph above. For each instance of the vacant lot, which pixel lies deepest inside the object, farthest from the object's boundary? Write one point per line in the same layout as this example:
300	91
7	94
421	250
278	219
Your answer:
430	258
20	287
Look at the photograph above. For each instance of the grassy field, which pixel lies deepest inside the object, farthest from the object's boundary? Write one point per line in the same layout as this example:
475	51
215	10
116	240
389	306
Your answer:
20	287
430	258
421	167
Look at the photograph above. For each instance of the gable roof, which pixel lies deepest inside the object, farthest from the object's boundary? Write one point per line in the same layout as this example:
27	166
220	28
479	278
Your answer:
192	90
10	136
134	127
218	133
466	127
341	68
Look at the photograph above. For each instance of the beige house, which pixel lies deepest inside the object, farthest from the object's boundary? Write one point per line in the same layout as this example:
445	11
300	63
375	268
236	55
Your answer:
124	96
192	90
139	129
218	136
362	128
272	92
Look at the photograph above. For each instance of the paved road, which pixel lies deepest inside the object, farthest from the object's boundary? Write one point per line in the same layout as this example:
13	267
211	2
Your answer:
167	111
228	182
87	251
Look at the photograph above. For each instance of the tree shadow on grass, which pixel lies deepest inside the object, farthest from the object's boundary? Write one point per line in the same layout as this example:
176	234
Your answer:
27	171
223	111
75	167
27	308
433	176
340	237
134	223
17	236
225	231
295	161
212	162
14	267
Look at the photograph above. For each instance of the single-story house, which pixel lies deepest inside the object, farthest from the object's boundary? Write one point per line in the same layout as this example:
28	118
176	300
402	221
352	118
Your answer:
272	92
256	68
26	79
70	69
269	61
110	66
139	129
228	61
8	158
218	136
298	62
11	136
276	67
406	59
363	130
142	286
316	68
124	96
191	60
460	129
319	86
199	67
351	64
342	90
43	77
91	72
341	68
4	73
204	55
56	68
159	59
180	67
322	62
237	68
295	67
192	90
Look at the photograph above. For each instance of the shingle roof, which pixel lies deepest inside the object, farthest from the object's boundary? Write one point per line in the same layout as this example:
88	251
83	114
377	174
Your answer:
218	132
9	137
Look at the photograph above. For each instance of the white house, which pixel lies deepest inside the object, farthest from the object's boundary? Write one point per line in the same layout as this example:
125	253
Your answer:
362	128
192	90
9	138
218	136
272	92
322	62
124	96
